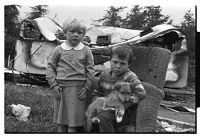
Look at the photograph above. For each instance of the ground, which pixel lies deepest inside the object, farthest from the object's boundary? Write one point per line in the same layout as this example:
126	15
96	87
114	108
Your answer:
182	99
40	99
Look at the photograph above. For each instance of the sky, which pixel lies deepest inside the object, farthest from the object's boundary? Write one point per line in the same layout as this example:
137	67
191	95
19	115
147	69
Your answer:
96	12
89	12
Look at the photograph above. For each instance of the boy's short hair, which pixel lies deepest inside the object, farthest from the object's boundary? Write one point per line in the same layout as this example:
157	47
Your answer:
74	24
123	52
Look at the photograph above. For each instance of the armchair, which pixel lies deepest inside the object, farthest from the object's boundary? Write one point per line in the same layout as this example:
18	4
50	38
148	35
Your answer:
150	64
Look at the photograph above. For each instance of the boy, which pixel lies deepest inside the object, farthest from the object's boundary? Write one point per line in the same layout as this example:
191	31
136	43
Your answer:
120	61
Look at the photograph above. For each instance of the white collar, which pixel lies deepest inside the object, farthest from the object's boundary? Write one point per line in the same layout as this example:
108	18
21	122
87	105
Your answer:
67	47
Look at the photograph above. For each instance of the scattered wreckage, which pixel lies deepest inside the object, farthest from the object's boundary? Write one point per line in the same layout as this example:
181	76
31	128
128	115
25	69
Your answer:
40	36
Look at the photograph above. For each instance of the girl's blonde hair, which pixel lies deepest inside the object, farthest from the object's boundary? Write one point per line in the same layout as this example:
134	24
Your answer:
74	24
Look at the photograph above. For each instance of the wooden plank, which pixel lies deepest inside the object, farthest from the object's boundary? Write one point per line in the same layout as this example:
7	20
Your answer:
178	91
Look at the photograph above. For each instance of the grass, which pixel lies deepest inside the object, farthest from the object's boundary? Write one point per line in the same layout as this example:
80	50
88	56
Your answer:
41	103
40	120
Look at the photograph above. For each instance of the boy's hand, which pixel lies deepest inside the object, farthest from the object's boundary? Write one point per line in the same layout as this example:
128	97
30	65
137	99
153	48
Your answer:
82	93
128	104
57	90
134	99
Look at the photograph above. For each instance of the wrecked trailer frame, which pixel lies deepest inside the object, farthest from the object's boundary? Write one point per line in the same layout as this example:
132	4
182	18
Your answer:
40	36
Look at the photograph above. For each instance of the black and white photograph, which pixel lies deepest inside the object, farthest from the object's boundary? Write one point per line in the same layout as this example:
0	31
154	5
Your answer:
119	68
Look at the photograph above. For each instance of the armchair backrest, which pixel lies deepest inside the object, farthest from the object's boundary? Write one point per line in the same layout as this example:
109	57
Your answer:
150	64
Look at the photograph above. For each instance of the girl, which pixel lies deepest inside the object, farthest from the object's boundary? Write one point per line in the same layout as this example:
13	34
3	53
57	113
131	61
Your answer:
70	73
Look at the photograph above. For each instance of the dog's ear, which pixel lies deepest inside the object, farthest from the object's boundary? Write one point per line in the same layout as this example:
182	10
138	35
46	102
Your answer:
117	86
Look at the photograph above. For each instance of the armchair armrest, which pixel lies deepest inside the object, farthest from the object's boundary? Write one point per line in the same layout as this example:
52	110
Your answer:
147	112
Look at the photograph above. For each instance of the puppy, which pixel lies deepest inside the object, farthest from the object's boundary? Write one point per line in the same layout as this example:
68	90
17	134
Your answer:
113	101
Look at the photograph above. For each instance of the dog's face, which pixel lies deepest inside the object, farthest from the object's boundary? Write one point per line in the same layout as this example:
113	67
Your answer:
124	90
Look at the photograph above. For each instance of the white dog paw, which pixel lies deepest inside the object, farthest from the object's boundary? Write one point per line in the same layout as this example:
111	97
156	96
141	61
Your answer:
119	119
95	120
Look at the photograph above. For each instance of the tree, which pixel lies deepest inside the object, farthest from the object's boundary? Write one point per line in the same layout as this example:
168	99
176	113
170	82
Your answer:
139	18
112	17
135	19
154	17
11	29
11	20
188	27
188	20
38	11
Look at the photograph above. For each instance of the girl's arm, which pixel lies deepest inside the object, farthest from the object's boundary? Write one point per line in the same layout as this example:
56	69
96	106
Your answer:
90	72
51	67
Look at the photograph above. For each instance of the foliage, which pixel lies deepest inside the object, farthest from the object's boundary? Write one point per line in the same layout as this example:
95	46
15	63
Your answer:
11	28
154	16
138	18
38	11
112	17
11	20
188	20
188	27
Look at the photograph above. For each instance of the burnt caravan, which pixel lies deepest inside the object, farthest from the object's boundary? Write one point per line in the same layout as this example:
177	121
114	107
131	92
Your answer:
40	36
